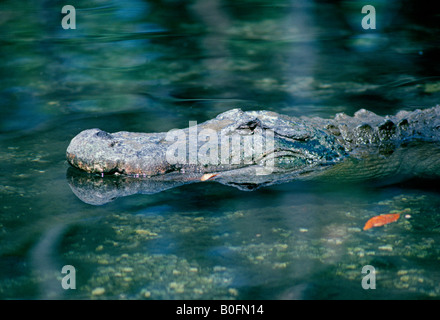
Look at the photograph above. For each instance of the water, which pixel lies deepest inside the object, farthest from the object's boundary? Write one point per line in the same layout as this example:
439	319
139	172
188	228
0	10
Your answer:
153	66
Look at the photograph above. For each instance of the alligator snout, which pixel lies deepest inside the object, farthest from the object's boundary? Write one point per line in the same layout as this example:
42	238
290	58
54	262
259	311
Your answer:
97	151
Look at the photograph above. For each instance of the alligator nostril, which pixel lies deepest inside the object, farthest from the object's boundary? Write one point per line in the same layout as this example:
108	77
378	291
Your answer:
104	135
251	125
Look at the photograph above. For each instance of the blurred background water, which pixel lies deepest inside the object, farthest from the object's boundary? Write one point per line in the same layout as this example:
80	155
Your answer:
154	65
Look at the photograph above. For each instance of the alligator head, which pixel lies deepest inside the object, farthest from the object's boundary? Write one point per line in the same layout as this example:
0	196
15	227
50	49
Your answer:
265	141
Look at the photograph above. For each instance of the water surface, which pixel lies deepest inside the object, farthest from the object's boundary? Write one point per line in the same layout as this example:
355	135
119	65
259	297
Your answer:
155	65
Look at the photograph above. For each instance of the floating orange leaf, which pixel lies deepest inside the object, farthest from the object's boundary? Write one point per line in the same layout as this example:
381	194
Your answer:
208	176
381	220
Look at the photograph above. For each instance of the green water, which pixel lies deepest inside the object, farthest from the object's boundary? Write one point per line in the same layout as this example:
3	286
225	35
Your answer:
155	65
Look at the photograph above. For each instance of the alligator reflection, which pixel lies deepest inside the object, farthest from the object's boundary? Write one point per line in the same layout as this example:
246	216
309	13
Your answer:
97	190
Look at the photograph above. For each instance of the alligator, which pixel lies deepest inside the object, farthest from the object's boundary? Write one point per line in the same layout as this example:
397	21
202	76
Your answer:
250	149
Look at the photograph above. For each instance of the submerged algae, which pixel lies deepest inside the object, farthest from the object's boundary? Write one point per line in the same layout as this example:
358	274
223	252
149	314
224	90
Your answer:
140	257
